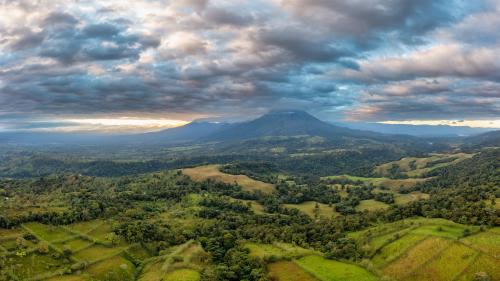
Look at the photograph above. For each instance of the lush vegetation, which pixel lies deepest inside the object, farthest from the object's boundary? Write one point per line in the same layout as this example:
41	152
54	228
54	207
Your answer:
306	212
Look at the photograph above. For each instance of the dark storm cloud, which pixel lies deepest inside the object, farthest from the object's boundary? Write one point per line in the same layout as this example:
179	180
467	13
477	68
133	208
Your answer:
93	42
59	19
302	45
367	59
362	18
100	30
28	39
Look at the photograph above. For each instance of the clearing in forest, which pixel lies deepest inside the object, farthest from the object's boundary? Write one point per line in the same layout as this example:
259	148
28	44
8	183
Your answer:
330	270
309	207
371	205
417	167
212	172
288	271
277	250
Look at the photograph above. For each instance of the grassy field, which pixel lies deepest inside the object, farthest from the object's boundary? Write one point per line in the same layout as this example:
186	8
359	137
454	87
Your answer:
415	257
330	270
371	205
203	173
104	263
395	249
441	269
414	249
183	262
402	199
277	250
254	205
288	271
392	184
86	227
73	245
182	275
97	252
430	249
48	232
417	167
487	242
309	207
483	266
115	268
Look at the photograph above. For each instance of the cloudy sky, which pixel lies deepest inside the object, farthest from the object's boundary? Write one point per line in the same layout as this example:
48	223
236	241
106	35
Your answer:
149	64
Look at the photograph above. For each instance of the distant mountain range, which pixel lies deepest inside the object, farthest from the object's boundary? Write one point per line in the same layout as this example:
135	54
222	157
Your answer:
285	123
417	130
276	123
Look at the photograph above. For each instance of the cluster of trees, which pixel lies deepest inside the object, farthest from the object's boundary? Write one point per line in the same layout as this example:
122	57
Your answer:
458	192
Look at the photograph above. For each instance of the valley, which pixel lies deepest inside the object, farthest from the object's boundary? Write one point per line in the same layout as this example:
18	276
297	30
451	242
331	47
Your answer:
276	206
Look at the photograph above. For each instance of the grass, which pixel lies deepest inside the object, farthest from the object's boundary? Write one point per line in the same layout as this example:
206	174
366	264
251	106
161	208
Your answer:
446	231
96	252
392	184
402	199
101	231
85	227
152	272
203	173
421	165
446	266
488	242
485	265
288	271
33	265
330	270
182	275
309	206
67	278
48	232
371	205
116	268
74	245
10	233
356	178
381	240
415	257
254	205
278	250
175	263
393	250
429	249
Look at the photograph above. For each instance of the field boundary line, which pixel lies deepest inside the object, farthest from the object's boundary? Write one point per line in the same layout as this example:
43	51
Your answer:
89	263
87	237
51	245
433	258
384	265
477	250
375	274
462	272
411	226
162	258
407	231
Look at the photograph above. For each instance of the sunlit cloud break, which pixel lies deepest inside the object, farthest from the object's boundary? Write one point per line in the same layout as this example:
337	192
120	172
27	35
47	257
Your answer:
493	124
361	60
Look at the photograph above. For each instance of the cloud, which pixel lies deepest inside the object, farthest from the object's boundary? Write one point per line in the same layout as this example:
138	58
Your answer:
370	59
441	60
